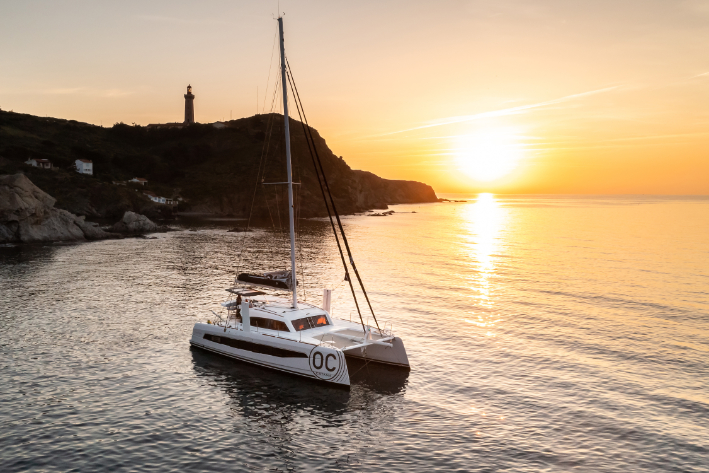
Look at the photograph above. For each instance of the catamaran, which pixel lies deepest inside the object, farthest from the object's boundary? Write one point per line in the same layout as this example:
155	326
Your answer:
287	334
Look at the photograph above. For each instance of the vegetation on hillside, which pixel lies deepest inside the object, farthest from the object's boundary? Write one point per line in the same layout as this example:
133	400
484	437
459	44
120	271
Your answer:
214	170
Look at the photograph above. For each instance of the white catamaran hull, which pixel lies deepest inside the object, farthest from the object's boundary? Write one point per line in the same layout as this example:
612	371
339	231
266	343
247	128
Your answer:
269	350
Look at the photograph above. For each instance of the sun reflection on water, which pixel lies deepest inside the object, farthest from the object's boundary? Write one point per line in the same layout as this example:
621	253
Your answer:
485	220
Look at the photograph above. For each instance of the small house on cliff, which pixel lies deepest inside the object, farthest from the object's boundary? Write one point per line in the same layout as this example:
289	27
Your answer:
159	199
139	180
153	196
39	163
84	166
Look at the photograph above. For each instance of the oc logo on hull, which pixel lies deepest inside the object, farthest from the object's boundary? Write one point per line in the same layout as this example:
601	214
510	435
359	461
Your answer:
325	363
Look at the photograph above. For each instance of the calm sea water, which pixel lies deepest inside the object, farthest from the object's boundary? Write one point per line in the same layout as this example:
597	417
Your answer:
544	334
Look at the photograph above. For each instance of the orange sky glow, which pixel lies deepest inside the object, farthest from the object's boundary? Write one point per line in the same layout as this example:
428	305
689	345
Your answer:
502	96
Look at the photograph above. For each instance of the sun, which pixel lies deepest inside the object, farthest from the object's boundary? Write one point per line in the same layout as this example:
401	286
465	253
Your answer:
488	154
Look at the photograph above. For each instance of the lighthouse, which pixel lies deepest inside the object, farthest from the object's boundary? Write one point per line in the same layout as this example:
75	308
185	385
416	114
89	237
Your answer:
189	106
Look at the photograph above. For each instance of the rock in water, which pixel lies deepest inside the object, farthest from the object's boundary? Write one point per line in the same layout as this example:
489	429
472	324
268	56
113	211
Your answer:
27	215
136	223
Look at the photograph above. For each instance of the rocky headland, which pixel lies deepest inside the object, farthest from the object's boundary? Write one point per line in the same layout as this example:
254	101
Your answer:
208	170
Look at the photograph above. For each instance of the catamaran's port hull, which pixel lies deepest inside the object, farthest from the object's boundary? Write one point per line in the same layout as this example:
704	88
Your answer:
307	360
269	367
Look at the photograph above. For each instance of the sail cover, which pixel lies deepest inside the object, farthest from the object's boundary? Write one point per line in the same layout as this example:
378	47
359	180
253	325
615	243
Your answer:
278	279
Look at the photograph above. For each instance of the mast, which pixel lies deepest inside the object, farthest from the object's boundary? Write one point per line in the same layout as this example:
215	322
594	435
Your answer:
290	173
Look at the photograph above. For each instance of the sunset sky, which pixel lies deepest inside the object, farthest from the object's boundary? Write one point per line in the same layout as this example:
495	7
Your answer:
468	96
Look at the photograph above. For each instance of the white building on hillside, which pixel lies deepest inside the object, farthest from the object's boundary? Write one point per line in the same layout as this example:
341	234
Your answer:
84	166
159	199
155	198
39	163
139	180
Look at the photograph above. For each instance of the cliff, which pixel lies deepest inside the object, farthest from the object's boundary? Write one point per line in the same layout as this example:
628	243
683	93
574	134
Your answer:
215	171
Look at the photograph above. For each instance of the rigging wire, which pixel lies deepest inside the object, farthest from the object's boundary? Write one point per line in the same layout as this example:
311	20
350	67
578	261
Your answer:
268	206
332	200
270	65
313	155
299	239
253	199
263	159
264	193
278	209
319	171
275	148
298	199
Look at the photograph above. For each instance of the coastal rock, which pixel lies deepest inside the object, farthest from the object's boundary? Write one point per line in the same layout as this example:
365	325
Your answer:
383	214
27	215
92	231
136	223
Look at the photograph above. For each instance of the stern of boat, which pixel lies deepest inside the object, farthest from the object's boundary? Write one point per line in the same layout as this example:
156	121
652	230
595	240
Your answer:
393	354
372	345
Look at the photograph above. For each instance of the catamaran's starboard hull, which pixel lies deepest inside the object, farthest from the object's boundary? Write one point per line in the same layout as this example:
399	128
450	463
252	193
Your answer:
394	355
271	351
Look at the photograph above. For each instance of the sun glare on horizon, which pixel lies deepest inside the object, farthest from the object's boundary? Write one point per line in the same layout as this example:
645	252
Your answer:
488	154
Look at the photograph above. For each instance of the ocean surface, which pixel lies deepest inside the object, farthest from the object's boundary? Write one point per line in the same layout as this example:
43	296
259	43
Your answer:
545	333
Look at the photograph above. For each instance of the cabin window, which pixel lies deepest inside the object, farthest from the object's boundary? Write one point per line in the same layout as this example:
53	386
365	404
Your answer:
254	347
310	322
270	324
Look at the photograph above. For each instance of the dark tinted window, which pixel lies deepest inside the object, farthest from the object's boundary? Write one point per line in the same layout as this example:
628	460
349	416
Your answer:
254	347
309	322
271	324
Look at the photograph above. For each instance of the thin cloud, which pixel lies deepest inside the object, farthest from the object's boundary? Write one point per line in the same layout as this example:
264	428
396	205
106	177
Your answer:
504	111
115	93
84	91
657	137
447	137
62	91
181	21
626	141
